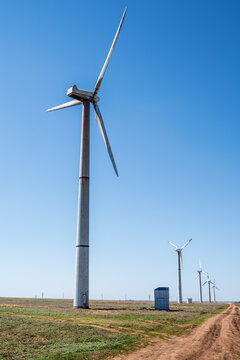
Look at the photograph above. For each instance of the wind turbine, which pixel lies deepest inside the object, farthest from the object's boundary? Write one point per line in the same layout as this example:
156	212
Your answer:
81	294
199	275
214	289
209	286
180	266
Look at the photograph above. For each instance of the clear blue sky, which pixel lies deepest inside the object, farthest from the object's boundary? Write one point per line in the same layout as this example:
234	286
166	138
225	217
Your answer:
170	102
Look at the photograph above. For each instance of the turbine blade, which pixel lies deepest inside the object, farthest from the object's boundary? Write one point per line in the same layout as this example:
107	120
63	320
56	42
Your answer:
100	78
181	260
205	273
186	243
101	126
200	265
65	105
173	245
217	288
204	283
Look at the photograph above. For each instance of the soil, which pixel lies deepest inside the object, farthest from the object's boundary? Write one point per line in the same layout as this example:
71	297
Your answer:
217	338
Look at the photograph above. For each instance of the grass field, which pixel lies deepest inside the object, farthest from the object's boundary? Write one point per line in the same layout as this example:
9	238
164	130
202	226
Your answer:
52	329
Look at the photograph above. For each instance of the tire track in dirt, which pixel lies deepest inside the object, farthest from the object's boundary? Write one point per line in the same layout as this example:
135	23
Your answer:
218	338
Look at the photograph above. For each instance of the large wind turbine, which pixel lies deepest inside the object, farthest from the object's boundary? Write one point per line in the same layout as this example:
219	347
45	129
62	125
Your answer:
208	281
81	295
199	275
180	265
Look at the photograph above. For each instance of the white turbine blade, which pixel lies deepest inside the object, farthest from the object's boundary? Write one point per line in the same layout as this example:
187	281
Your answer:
100	78
217	288
101	126
205	273
197	275
204	283
175	246
186	243
181	260
200	265
65	105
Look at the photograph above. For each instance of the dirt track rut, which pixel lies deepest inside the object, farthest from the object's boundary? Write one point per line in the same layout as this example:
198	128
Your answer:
218	338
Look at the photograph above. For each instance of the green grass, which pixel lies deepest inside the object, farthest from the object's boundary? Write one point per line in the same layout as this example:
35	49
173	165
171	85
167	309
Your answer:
52	329
27	338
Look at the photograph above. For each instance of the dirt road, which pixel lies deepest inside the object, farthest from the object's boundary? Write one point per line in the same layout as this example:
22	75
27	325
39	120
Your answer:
218	338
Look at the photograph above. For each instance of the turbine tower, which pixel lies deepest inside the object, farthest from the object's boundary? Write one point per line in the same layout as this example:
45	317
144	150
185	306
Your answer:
199	275
214	290
81	294
208	281
180	266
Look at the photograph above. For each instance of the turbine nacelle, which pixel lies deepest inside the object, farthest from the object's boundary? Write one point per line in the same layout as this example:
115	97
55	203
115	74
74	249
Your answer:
82	95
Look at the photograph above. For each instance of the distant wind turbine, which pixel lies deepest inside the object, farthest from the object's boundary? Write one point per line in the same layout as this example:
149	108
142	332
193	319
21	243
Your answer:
208	281
214	290
180	266
199	275
81	295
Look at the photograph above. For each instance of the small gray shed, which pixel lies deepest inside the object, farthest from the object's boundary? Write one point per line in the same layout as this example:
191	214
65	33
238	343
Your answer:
161	297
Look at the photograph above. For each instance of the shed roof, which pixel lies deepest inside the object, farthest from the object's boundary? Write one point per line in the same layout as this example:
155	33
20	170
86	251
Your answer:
162	288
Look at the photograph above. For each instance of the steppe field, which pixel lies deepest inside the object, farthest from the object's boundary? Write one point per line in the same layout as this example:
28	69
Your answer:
52	329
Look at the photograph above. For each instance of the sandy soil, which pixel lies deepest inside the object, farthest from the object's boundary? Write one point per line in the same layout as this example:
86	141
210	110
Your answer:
218	338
